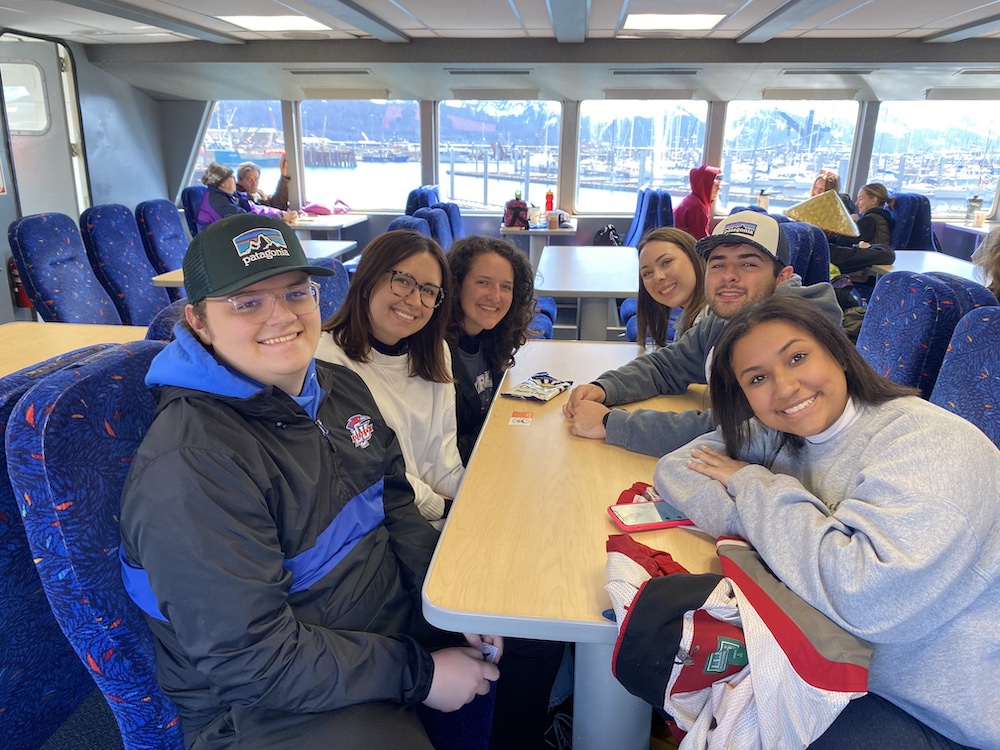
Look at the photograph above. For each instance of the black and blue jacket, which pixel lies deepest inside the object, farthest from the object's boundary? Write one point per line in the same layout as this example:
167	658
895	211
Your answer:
274	545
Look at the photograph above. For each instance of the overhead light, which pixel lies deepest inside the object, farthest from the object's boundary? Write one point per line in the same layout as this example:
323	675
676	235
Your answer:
328	71
827	71
649	93
488	71
671	21
326	92
486	94
968	94
798	94
275	23
654	71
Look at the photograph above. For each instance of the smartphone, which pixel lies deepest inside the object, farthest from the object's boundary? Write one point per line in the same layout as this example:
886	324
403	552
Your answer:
646	516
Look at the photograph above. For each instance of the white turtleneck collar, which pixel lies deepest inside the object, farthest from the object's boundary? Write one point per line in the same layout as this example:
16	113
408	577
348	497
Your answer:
845	420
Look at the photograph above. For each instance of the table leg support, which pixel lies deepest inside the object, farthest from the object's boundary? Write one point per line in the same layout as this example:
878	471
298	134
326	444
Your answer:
593	318
536	243
605	715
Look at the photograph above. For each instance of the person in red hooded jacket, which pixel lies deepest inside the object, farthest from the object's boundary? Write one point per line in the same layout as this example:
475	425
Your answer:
694	212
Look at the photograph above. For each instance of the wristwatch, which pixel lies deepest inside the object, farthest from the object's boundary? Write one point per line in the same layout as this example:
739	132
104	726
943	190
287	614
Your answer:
605	420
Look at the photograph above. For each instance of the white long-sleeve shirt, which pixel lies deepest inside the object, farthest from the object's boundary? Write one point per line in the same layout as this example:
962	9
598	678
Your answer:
421	413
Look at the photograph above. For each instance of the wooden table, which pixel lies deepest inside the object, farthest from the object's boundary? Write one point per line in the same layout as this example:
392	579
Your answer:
596	275
312	248
523	550
320	227
923	261
538	238
25	343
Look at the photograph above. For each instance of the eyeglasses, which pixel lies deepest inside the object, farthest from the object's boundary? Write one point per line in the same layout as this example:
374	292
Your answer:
257	307
402	285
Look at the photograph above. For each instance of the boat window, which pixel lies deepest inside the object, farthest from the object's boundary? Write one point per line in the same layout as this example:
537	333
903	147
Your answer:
489	150
780	147
240	131
24	96
946	150
625	144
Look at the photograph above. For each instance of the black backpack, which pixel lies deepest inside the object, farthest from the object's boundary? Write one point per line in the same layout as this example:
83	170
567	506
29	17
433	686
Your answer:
607	236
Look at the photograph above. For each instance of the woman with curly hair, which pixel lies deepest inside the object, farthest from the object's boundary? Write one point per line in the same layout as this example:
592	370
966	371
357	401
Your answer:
491	310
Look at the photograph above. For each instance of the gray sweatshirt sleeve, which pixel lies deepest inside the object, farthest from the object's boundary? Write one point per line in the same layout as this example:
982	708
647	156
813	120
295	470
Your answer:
656	433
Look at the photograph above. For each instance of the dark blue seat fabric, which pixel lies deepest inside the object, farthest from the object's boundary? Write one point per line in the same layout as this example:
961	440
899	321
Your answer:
56	273
907	327
970	293
627	309
540	327
70	500
780	218
439	225
119	260
162	231
968	383
664	209
424	196
912	216
332	289
161	328
191	199
632	329
412	223
41	680
809	250
548	306
454	219
644	218
632	325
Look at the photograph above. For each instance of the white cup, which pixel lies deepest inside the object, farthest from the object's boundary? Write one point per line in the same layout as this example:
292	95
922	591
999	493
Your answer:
980	218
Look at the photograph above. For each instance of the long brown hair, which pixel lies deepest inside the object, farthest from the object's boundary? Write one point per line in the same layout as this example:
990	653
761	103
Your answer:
351	325
880	193
511	333
652	318
730	408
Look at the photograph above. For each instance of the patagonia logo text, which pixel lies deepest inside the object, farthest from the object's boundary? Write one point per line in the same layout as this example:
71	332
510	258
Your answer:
741	227
260	244
360	428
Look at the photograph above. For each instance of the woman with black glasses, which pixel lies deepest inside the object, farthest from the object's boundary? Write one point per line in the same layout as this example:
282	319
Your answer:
391	331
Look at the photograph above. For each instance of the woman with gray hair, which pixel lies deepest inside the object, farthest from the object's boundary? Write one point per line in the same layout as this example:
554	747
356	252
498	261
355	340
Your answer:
222	199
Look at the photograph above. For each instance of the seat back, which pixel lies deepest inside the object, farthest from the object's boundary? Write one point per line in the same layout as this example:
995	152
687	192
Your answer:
55	271
628	309
424	196
41	680
780	218
912	216
413	223
119	260
161	328
971	294
439	225
809	251
162	231
969	381
454	219
664	209
548	306
540	327
645	216
191	198
70	499
332	289
907	326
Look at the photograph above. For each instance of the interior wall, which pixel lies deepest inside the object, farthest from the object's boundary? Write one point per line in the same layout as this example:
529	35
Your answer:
181	124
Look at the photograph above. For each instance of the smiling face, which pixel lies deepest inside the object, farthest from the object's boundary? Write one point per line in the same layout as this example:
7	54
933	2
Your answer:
251	178
393	318
866	201
793	384
487	293
667	273
276	352
737	275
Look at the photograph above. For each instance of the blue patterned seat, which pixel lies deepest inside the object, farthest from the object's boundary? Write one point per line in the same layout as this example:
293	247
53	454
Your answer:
971	294
413	223
332	289
540	327
664	209
969	381
912	216
161	328
163	236
548	306
907	326
41	680
191	198
632	325
439	224
454	219
69	499
780	218
809	249
55	271
424	196
119	260
644	218
627	309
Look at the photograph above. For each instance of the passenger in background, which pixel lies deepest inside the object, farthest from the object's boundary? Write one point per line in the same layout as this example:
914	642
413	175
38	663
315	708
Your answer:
269	532
987	257
222	199
671	275
694	212
842	482
873	243
491	310
746	260
827	180
391	331
248	181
